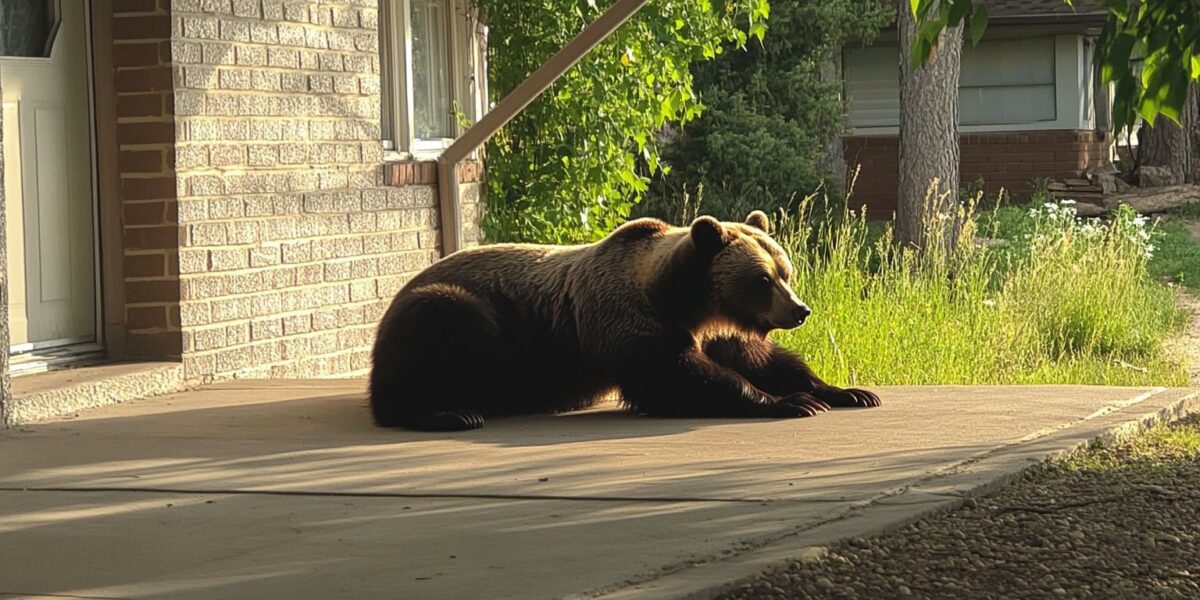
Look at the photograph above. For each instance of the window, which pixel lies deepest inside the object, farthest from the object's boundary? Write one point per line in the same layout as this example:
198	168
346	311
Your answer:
28	29
1002	82
432	73
1007	81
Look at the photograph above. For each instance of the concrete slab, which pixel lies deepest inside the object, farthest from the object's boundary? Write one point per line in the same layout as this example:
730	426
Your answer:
65	392
285	490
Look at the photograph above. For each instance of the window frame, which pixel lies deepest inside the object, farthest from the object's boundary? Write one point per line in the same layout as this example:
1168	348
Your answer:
1069	76
396	77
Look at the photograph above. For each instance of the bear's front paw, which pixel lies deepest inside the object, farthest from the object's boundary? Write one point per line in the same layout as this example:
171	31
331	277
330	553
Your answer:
848	398
797	405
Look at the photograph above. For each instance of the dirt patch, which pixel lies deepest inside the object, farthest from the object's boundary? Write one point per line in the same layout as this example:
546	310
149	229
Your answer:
1193	227
1187	344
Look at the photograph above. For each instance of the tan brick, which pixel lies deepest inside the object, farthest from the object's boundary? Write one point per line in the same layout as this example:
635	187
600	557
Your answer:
264	33
362	290
195	313
262	329
296	252
228	259
237	333
297	324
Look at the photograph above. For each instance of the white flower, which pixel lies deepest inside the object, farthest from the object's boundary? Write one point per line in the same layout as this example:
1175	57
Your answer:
989	302
1067	202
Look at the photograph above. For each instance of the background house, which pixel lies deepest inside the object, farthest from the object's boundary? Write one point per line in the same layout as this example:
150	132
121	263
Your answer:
1031	104
227	188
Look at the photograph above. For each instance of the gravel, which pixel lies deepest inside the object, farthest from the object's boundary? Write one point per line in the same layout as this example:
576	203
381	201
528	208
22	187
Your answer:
1109	522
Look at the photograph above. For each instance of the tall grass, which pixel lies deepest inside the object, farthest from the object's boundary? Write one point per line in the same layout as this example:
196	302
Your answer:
1064	301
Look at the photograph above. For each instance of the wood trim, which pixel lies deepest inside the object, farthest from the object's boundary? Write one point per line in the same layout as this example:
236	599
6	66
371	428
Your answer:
108	184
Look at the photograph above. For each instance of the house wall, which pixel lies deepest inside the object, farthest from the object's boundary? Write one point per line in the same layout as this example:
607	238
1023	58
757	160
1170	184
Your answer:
293	233
1006	143
1003	160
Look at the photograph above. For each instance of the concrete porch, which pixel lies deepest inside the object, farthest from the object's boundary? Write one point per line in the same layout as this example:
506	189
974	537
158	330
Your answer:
284	489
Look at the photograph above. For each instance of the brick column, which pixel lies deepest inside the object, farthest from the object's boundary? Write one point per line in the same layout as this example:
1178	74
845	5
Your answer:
146	137
292	244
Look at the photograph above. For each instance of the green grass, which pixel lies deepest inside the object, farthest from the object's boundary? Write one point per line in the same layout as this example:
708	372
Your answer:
1176	256
1062	302
1154	448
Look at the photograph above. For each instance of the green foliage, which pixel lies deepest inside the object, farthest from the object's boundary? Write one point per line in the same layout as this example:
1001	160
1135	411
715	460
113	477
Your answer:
1065	301
567	168
1176	256
1165	32
1161	447
768	113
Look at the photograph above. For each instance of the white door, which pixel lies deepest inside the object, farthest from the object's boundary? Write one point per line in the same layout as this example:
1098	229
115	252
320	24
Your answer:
48	179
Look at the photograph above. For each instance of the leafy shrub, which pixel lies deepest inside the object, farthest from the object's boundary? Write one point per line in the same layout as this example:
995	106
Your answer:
769	115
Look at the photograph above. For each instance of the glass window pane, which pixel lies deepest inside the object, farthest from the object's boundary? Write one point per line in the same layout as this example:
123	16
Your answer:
430	68
27	27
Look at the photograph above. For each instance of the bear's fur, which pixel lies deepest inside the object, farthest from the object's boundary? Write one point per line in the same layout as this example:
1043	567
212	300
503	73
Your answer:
674	318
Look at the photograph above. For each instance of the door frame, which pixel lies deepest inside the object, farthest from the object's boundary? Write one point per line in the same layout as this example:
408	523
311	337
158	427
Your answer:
110	254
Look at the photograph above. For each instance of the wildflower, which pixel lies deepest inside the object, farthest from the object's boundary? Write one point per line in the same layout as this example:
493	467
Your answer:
989	302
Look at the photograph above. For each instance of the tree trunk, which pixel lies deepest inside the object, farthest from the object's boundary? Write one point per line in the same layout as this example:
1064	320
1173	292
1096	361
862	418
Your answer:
929	155
834	165
1191	123
1168	144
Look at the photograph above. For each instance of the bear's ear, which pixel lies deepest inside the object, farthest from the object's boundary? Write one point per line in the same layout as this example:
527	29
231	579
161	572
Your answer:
708	234
758	220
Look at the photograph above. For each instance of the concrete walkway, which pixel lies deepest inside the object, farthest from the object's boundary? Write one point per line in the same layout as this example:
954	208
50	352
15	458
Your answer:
285	490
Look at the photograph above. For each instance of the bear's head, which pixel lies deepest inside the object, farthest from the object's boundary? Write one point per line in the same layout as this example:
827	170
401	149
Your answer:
750	274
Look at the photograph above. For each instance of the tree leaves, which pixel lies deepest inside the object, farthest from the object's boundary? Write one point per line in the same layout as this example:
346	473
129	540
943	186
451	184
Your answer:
979	19
770	112
570	167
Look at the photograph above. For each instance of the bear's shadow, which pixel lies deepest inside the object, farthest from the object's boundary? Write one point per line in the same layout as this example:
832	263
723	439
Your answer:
590	425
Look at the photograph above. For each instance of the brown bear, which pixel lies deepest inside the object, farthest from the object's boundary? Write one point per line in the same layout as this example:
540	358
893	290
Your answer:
674	318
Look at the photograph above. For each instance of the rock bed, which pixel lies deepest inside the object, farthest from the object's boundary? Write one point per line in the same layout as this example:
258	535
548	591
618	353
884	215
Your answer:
1118	522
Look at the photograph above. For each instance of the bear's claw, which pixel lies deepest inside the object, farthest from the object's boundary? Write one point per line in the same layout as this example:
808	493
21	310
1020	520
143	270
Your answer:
798	405
848	398
451	420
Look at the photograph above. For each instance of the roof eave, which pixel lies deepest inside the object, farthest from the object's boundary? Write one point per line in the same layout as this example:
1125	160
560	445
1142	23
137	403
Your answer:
1060	19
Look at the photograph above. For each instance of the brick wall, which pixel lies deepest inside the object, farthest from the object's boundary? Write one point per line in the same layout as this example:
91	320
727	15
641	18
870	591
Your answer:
1007	160
146	139
293	234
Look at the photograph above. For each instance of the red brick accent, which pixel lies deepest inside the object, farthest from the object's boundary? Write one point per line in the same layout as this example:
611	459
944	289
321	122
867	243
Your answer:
424	172
143	82
1009	160
470	171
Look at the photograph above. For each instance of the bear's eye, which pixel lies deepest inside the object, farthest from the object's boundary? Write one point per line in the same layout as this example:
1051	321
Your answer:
764	281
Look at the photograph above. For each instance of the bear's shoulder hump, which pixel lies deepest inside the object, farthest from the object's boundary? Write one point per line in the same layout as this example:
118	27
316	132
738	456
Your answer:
640	229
